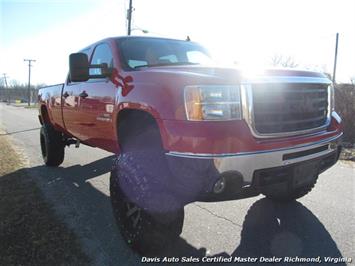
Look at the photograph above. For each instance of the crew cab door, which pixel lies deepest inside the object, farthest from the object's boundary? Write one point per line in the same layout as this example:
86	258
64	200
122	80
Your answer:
96	103
70	105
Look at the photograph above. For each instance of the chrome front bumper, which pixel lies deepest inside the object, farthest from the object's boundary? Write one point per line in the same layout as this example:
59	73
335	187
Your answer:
247	163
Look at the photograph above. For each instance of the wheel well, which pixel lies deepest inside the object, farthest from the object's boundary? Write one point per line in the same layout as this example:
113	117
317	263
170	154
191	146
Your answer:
133	124
44	114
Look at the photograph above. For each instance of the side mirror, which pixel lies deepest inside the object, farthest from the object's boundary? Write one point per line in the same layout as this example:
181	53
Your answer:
78	67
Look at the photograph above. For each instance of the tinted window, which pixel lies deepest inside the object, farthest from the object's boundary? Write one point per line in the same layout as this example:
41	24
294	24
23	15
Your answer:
197	57
145	52
102	54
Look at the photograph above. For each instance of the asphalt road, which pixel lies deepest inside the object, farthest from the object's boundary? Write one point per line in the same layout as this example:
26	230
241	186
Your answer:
320	224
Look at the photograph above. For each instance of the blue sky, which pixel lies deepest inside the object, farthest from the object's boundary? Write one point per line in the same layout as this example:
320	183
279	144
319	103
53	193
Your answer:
248	32
22	19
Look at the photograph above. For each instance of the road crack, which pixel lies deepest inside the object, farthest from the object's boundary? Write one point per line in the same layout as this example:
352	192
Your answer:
19	131
218	216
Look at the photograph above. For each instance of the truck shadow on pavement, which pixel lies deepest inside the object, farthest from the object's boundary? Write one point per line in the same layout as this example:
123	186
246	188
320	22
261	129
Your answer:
284	230
80	194
275	229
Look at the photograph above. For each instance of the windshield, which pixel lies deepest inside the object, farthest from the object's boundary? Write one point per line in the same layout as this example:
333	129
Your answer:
149	52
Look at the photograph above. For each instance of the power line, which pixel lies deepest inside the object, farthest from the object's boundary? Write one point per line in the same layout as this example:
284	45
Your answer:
29	78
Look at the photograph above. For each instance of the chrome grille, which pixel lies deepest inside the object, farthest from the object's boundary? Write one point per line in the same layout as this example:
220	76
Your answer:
287	107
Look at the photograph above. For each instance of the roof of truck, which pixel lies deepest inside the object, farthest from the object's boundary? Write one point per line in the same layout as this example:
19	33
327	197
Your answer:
132	37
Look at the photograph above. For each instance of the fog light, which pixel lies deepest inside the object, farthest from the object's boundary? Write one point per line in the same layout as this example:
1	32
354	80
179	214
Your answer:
219	186
333	145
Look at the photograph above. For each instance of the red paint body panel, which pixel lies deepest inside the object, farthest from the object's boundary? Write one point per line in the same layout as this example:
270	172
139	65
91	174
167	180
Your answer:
160	92
229	137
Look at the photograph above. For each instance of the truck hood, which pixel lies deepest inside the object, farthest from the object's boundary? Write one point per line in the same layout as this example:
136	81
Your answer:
197	73
191	74
161	89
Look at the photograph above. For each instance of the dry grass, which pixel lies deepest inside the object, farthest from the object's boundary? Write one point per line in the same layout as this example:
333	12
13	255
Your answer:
8	163
30	232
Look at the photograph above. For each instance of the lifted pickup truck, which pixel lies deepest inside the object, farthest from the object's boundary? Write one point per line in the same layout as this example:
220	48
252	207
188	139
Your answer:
184	130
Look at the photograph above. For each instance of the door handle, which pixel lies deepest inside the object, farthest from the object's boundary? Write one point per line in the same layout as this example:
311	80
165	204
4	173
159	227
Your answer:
66	94
83	94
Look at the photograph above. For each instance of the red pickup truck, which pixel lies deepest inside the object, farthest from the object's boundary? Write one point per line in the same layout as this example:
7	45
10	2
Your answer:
185	130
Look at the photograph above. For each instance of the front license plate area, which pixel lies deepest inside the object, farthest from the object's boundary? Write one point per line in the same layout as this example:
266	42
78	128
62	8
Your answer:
305	173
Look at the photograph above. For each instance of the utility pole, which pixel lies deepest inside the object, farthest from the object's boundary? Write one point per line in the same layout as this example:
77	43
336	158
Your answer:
335	57
29	79
5	87
129	17
5	79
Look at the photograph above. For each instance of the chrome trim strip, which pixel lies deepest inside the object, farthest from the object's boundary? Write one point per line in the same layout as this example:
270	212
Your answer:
248	108
209	156
336	117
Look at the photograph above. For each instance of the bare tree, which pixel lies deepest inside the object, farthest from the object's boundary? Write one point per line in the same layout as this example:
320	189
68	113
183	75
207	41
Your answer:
279	60
15	84
345	106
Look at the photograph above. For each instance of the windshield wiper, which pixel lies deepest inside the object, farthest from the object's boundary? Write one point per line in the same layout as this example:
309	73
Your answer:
167	64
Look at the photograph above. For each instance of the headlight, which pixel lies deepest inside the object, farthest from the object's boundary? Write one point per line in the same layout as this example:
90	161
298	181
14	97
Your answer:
212	102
